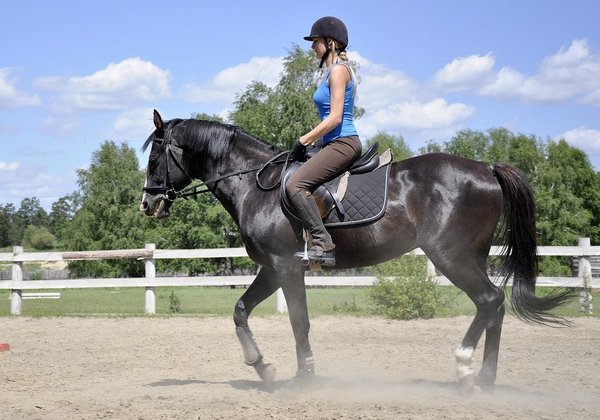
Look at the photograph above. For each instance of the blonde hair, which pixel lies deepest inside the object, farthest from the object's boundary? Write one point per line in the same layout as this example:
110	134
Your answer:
343	56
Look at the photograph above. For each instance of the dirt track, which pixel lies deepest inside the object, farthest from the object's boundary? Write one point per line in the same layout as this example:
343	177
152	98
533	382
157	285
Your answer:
191	368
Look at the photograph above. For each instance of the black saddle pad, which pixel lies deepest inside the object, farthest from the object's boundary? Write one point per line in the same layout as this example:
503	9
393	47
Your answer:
365	199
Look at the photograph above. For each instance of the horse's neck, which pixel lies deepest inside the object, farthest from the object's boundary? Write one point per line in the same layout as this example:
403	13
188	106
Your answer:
232	191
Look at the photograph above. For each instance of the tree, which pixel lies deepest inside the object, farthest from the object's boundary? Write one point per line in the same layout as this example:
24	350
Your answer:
7	214
38	237
62	212
199	223
567	195
30	212
108	218
398	146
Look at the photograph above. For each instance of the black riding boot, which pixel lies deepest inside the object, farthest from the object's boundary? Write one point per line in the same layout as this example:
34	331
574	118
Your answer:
322	249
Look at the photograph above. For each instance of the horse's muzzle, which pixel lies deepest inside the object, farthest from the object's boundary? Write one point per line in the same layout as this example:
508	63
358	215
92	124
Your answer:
155	206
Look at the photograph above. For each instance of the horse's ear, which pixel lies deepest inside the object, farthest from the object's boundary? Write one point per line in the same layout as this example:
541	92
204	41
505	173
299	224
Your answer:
158	122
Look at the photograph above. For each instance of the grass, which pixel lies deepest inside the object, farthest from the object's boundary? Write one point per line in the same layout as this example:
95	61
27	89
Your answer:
219	301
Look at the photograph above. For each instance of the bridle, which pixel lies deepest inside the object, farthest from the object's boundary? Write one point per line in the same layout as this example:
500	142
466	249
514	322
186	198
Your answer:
168	191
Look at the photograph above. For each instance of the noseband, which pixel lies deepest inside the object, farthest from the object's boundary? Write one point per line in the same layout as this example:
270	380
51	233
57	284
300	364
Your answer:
169	193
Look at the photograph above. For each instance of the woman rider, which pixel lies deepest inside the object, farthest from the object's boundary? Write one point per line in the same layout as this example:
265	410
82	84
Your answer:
334	99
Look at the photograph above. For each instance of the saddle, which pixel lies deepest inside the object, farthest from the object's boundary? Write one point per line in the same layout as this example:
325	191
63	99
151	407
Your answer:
357	196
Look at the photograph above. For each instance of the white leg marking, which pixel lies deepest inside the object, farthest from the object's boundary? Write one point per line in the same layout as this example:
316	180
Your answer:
464	358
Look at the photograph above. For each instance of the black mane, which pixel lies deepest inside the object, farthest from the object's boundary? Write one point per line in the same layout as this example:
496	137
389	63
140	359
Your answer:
202	136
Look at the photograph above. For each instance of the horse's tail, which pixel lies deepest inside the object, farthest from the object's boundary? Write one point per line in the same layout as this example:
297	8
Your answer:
520	255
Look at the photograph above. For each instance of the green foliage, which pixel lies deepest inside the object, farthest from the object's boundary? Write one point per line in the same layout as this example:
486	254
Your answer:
281	114
62	213
108	218
38	237
403	290
174	303
7	213
194	224
13	223
398	146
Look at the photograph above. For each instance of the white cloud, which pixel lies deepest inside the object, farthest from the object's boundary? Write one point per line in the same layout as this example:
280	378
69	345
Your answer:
222	88
379	85
8	166
586	139
572	73
395	103
10	96
22	180
62	127
119	86
134	124
465	73
436	115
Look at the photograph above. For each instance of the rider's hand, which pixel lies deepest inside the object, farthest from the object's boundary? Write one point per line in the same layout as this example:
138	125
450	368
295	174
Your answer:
299	151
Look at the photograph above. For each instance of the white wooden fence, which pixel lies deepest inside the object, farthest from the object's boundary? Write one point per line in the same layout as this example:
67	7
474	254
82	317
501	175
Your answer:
149	254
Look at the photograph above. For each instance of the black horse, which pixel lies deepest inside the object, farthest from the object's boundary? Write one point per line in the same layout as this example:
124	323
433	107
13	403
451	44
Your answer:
446	205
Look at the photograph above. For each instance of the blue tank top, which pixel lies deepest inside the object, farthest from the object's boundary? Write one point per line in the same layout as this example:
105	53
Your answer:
322	99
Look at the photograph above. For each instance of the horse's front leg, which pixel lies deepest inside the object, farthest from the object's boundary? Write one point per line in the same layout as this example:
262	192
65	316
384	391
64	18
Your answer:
292	283
263	286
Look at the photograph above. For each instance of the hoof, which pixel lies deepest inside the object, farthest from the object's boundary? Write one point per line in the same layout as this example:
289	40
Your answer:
266	371
467	385
484	383
304	377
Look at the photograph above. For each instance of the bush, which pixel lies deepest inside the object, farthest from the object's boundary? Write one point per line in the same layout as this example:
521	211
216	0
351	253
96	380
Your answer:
38	238
403	290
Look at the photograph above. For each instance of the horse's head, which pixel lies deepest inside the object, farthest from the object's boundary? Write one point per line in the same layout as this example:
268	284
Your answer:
165	174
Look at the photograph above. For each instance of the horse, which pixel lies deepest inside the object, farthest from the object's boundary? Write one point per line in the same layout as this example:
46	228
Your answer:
447	205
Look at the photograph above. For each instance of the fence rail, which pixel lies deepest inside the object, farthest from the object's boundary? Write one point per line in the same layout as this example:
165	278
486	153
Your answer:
583	251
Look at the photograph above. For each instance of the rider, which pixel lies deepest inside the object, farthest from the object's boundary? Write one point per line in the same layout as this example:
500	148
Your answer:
334	99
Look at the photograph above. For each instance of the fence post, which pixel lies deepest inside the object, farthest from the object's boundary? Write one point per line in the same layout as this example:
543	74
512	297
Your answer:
150	266
16	296
585	273
281	303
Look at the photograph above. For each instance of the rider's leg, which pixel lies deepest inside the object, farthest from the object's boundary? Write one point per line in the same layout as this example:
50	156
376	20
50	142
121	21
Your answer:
311	218
324	166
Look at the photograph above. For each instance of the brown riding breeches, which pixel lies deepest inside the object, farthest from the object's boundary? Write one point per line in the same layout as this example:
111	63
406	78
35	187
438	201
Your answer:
325	165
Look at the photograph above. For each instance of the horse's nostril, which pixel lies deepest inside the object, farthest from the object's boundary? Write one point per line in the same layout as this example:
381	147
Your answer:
144	206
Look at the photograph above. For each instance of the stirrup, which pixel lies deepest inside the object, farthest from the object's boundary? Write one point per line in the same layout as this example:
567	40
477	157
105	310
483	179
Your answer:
325	258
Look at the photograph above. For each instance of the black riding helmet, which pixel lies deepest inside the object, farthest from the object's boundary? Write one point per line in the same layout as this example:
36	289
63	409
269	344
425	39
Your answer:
329	27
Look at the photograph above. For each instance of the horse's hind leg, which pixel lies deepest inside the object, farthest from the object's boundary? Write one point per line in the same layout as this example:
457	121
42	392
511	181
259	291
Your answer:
263	286
489	317
469	275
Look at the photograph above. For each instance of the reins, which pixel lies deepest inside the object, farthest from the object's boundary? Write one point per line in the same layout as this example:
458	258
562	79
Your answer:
192	190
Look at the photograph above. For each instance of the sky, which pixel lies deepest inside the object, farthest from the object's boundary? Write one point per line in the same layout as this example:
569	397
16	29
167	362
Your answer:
74	74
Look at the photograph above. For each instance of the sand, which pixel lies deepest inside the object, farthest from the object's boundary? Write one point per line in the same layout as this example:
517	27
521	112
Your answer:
367	368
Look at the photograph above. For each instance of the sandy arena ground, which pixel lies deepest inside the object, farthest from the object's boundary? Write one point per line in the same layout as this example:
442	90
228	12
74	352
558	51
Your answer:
367	368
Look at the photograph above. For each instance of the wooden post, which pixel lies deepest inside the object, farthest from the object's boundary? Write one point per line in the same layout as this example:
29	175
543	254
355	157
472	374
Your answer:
16	297
585	273
281	303
150	266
